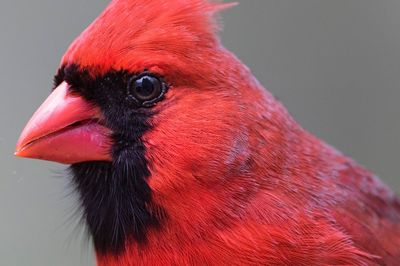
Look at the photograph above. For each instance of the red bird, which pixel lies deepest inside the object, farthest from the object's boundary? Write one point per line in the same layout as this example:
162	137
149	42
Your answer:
181	157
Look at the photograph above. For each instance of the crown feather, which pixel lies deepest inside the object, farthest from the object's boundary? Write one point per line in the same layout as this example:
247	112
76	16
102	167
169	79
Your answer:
128	29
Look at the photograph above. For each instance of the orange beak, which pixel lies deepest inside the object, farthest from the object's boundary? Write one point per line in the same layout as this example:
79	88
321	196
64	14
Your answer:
65	129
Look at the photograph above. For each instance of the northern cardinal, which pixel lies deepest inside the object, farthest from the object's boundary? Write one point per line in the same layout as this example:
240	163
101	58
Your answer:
181	157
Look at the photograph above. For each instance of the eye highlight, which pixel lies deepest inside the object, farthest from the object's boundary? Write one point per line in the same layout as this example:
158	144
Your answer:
146	89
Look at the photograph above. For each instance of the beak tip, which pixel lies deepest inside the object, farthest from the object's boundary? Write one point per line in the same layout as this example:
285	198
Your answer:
18	152
19	148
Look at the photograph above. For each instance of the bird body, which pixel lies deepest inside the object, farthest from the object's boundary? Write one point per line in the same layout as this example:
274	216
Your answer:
199	164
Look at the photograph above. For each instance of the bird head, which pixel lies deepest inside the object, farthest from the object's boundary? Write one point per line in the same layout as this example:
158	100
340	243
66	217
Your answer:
156	118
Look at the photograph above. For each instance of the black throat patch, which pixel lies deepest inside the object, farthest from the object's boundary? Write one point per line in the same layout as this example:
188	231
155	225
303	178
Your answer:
115	196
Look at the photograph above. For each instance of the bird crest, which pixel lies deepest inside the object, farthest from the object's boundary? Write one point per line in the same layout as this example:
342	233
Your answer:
130	32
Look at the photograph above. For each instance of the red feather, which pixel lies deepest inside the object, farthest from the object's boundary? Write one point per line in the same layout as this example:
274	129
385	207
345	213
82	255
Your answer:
241	181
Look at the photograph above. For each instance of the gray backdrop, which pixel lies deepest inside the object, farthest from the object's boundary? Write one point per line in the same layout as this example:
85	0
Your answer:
335	65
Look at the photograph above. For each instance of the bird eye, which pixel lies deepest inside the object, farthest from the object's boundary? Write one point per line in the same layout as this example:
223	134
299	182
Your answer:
146	89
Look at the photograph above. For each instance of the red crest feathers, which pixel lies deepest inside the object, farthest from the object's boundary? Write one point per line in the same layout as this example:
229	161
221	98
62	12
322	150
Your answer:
130	34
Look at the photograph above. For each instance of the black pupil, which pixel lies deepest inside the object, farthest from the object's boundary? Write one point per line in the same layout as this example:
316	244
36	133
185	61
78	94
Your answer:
147	88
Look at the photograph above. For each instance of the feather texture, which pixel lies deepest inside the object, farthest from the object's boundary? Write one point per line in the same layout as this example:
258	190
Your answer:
239	181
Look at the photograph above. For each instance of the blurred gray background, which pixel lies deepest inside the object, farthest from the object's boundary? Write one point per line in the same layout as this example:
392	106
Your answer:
334	64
